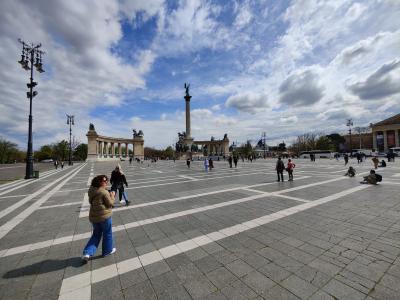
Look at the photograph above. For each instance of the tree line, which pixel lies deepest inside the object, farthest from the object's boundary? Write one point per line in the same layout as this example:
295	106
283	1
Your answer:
9	152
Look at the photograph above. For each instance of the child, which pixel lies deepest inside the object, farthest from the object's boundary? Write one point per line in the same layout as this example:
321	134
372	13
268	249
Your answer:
289	169
351	172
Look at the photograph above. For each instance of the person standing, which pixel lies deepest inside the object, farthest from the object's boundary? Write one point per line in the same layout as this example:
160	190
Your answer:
188	163
280	166
290	167
117	181
375	161
62	165
101	203
56	164
130	160
211	164
206	163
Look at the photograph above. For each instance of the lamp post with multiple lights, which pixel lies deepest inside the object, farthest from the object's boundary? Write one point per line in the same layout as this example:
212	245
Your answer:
31	57
349	124
70	122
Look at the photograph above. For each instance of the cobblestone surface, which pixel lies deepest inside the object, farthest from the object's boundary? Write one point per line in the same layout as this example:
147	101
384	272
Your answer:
226	234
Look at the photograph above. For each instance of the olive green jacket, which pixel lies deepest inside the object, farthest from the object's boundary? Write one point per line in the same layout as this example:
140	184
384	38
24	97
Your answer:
101	204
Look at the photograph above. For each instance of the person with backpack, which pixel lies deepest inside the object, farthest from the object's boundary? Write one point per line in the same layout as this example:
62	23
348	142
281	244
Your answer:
117	181
372	178
280	166
289	169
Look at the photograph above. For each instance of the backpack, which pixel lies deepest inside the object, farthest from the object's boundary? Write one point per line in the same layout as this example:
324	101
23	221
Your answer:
378	177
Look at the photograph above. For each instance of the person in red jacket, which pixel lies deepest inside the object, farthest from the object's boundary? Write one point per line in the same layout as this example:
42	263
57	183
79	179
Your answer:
289	168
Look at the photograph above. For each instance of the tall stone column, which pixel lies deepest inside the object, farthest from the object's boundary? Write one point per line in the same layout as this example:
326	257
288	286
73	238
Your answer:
396	137
385	144
112	150
187	100
374	143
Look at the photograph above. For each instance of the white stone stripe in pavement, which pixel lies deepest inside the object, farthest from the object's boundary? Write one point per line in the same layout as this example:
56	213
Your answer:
60	205
85	214
13	207
85	206
12	196
78	284
187	177
178	182
67	239
228	190
18	186
7	227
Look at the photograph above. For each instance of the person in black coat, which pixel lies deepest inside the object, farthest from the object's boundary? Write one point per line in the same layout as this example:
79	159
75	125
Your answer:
280	166
117	181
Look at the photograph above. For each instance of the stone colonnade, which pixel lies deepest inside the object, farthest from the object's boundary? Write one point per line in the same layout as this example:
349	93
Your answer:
215	147
104	148
385	134
385	138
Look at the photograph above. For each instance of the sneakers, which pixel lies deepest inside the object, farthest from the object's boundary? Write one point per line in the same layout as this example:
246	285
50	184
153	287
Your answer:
85	258
112	252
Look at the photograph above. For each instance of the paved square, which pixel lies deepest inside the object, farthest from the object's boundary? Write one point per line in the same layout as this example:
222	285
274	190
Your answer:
225	234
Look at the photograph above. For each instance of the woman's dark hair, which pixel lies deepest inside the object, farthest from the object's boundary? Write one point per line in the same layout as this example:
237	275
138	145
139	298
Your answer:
98	180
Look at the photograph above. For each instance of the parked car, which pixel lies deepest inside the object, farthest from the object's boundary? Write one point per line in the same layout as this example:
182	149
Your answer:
47	160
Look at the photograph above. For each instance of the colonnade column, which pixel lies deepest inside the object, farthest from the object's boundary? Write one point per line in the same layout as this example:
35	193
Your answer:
374	143
112	150
396	138
126	150
385	144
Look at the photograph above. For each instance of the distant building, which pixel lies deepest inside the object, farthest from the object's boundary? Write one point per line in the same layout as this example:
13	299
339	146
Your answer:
385	134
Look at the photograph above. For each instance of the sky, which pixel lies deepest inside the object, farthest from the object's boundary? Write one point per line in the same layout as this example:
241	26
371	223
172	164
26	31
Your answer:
280	67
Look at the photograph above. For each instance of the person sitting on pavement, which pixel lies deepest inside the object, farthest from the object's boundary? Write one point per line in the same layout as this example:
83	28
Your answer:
351	172
372	178
382	164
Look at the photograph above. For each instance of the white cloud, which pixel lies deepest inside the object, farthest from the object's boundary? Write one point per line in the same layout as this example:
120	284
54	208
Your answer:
248	102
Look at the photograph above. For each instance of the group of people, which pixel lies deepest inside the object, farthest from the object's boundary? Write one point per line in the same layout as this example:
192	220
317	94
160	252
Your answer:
280	167
56	164
102	200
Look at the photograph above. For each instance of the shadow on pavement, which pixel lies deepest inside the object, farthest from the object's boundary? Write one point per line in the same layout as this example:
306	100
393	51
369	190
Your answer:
47	266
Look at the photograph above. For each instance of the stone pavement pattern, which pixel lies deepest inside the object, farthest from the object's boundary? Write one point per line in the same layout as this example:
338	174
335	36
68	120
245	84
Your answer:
226	234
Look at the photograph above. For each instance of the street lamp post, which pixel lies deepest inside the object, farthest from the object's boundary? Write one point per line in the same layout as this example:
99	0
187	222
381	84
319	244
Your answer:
70	122
31	57
349	124
264	137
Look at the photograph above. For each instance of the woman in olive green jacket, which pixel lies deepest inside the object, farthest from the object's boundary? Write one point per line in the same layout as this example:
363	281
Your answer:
101	203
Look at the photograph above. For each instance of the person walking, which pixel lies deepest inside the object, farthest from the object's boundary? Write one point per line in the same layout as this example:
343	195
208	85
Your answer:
130	160
117	181
56	164
290	167
211	164
235	160
206	163
346	159
101	203
230	161
62	165
375	161
280	166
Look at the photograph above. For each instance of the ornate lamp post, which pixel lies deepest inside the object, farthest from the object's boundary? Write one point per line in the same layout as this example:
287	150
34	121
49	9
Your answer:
31	57
349	124
70	122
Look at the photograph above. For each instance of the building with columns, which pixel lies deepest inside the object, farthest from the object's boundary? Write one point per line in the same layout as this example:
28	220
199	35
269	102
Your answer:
109	148
385	134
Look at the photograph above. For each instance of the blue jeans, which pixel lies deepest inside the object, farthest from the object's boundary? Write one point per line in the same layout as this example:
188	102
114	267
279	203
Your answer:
102	229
